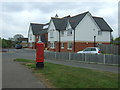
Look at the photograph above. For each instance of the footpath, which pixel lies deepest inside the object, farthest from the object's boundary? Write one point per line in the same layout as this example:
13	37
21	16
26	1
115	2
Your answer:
15	75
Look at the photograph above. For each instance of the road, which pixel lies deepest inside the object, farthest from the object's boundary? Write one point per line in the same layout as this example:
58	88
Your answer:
16	75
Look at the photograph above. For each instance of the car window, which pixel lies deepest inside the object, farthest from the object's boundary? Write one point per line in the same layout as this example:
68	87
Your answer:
93	49
87	49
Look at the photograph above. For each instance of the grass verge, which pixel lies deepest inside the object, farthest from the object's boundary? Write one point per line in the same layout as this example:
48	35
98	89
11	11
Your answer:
61	76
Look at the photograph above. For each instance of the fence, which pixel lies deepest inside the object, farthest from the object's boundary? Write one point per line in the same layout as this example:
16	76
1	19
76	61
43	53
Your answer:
108	48
88	58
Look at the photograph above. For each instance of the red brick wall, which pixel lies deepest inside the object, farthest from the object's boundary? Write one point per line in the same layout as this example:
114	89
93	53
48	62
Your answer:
78	46
46	36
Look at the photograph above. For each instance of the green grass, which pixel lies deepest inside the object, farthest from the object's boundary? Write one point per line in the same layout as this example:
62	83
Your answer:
61	76
24	60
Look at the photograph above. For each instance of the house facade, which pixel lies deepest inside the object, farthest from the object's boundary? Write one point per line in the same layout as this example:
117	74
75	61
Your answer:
37	33
74	33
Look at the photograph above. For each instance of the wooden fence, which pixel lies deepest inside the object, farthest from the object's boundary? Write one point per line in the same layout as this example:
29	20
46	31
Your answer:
109	49
88	58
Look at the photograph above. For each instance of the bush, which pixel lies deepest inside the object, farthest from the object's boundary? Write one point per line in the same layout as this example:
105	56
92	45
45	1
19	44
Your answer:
6	43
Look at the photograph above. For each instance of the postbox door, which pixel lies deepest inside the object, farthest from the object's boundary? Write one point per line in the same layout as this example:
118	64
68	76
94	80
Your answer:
39	52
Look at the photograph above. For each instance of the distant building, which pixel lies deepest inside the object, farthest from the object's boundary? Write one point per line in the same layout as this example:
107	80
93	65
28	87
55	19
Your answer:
37	33
24	42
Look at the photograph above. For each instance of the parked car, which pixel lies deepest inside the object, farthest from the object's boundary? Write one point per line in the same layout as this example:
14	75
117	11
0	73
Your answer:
90	50
18	46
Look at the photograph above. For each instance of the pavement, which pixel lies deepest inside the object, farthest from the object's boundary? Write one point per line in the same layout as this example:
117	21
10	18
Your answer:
15	75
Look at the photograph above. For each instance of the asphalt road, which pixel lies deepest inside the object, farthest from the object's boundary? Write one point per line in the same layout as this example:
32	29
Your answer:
15	75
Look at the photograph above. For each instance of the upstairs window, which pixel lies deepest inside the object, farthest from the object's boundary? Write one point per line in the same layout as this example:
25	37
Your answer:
30	37
69	32
51	33
99	32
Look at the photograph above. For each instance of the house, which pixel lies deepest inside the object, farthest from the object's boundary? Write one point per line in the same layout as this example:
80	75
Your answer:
37	33
74	33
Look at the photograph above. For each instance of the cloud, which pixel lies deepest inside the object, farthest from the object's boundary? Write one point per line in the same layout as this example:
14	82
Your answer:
119	18
16	16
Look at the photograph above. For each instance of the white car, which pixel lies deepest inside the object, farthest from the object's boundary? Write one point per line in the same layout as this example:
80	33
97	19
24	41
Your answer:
90	50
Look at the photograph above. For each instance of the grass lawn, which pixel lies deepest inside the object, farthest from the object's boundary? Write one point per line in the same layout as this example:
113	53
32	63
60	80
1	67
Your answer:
61	76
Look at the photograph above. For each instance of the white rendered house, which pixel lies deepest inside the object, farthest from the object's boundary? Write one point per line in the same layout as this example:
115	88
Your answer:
77	32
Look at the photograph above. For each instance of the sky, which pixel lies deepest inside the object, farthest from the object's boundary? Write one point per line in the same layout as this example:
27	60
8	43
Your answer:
16	16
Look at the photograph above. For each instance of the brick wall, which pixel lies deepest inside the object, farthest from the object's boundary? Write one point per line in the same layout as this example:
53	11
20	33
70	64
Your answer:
78	46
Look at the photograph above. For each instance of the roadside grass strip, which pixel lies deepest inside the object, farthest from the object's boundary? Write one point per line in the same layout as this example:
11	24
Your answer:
61	76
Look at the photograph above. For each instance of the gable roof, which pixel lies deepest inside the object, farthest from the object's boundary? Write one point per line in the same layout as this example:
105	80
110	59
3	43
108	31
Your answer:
36	27
102	24
60	23
74	21
44	31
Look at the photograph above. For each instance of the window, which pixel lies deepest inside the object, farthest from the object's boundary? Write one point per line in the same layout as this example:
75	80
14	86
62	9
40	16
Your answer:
62	33
69	32
30	37
87	49
52	45
51	33
62	45
93	49
69	45
99	32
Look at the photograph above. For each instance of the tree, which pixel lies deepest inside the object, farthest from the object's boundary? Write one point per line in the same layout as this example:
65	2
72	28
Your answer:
17	37
116	41
6	43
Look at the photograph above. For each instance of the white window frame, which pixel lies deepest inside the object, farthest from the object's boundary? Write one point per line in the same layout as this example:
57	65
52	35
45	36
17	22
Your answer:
52	45
69	32
62	45
51	33
70	48
30	37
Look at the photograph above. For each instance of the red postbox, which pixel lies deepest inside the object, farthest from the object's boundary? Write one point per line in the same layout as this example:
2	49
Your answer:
39	55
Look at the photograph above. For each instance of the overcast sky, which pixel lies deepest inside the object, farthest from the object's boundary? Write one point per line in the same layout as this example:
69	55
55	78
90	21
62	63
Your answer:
17	16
